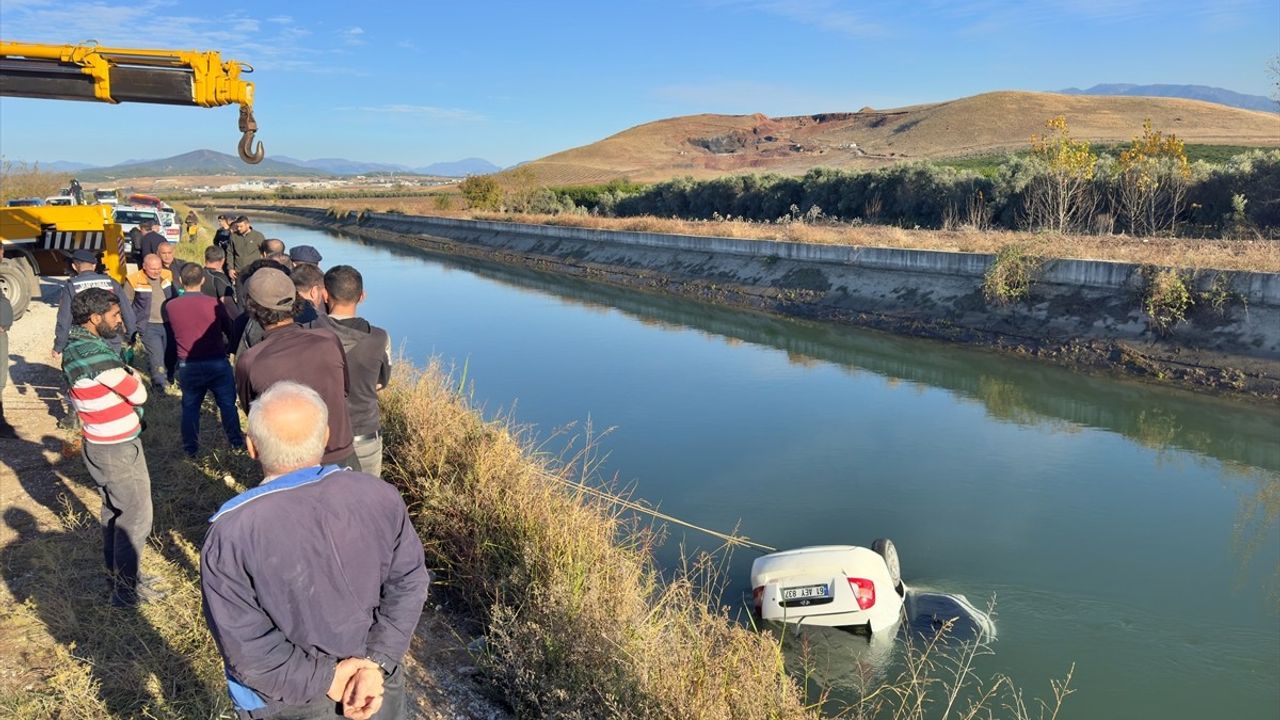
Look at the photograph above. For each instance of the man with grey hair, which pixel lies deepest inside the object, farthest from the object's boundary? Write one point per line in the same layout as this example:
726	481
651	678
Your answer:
147	290
314	581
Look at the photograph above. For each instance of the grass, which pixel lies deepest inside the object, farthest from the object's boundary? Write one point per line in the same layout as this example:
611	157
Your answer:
156	661
1256	254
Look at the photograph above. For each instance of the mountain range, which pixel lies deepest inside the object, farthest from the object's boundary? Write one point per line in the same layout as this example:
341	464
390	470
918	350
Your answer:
212	162
342	166
1188	92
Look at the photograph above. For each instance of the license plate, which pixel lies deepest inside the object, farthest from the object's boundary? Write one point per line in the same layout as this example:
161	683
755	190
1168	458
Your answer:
805	591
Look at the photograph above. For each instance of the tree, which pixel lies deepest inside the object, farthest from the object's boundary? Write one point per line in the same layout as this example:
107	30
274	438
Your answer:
1060	197
521	188
1273	69
1154	175
482	192
19	180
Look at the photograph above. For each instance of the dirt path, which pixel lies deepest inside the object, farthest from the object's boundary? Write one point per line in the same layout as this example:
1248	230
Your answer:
53	655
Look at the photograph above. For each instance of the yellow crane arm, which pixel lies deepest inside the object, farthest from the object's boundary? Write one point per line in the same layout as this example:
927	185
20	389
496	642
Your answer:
115	75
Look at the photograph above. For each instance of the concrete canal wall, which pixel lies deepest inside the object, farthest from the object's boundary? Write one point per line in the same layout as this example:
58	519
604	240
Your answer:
1080	312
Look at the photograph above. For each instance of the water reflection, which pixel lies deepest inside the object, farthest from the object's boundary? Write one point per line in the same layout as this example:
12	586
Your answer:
1011	389
1239	437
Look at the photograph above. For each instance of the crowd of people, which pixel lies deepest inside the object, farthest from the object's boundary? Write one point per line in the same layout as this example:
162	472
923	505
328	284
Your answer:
314	580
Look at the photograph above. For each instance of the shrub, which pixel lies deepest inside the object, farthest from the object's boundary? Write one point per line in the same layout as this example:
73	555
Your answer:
1011	274
1166	299
482	192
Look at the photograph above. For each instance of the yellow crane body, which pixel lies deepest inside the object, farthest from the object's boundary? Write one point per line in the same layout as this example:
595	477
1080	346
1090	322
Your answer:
36	240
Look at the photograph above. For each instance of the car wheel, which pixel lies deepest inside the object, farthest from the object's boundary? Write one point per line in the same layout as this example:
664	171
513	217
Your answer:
15	283
884	547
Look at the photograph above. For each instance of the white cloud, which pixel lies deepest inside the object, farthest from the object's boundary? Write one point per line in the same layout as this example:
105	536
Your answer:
353	36
274	45
428	111
829	15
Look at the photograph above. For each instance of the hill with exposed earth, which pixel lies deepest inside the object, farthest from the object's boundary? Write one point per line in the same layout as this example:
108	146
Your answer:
711	145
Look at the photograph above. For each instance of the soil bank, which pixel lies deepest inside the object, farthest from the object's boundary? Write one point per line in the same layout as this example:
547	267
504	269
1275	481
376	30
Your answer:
1082	313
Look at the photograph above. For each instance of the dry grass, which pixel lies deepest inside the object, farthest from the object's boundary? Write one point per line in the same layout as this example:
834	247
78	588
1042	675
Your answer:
1257	254
579	623
158	661
939	680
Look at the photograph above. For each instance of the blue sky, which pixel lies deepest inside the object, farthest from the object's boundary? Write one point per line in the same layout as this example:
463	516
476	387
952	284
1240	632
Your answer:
426	81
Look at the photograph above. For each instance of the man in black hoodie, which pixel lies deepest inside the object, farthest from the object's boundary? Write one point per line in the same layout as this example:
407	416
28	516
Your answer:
368	351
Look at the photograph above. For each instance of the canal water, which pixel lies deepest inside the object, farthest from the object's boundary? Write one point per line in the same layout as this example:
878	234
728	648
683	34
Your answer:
1129	530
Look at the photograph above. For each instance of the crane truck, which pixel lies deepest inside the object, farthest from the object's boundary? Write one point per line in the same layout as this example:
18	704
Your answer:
35	238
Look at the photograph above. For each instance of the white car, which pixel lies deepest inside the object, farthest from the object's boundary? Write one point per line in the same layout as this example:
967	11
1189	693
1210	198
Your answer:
831	585
60	200
169	226
129	217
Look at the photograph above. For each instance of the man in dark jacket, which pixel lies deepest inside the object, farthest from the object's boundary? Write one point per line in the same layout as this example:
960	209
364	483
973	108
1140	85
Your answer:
246	246
84	264
314	581
216	283
222	236
149	243
368	351
292	352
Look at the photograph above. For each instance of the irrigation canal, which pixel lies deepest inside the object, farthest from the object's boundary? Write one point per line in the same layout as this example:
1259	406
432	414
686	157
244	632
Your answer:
1130	530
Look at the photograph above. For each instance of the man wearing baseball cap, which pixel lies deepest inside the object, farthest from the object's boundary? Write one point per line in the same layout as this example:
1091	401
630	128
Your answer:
84	264
312	357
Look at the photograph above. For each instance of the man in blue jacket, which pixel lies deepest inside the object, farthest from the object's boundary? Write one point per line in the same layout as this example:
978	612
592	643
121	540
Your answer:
313	581
85	263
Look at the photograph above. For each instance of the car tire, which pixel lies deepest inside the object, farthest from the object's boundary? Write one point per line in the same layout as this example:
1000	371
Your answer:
885	549
15	283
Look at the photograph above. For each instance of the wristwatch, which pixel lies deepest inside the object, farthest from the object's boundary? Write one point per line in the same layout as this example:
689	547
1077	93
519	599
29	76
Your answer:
386	668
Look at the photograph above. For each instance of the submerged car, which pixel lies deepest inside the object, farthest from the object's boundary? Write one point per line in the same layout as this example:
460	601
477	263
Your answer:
831	585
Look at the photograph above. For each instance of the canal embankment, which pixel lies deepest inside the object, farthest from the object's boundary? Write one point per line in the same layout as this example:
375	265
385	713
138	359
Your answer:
1206	329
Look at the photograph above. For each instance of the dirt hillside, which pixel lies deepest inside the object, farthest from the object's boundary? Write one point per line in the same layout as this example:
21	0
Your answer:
711	145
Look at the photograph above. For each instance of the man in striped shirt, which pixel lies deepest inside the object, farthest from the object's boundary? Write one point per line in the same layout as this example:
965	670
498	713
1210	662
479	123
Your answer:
108	397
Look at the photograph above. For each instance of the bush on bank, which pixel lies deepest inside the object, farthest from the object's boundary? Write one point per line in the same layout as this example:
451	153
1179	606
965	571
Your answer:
938	196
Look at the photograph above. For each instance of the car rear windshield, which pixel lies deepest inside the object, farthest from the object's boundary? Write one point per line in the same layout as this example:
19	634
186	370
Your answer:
133	217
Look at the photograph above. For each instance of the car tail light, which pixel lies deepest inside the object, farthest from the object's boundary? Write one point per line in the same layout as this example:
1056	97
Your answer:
757	599
864	590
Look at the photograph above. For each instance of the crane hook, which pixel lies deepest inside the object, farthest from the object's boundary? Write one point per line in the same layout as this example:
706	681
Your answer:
249	126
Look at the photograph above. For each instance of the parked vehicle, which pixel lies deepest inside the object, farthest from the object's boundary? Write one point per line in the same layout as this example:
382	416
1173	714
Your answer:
169	225
106	196
129	217
832	585
36	238
25	202
60	200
